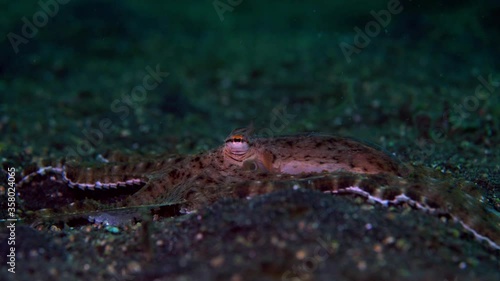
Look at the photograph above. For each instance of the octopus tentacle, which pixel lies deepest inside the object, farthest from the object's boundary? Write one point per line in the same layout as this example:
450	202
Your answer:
458	200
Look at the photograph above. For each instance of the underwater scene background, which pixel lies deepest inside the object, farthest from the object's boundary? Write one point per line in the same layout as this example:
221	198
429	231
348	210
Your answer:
418	79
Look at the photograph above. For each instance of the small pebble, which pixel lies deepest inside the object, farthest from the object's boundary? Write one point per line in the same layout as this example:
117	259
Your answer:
300	255
362	265
112	229
217	261
134	267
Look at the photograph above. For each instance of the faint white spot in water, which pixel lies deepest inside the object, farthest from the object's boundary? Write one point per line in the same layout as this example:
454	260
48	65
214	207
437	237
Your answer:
376	103
101	159
462	265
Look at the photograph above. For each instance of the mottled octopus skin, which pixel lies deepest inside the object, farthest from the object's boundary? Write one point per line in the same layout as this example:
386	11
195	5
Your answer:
244	167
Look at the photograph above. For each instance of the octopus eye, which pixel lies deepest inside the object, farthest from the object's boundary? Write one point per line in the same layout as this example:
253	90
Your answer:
237	144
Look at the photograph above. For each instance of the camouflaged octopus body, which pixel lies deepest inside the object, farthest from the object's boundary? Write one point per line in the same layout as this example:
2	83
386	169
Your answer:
244	167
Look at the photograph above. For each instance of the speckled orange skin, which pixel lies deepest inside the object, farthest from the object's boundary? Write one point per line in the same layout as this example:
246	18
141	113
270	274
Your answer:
244	167
317	154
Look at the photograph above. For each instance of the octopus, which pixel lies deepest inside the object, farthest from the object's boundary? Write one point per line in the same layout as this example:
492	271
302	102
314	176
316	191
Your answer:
246	166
